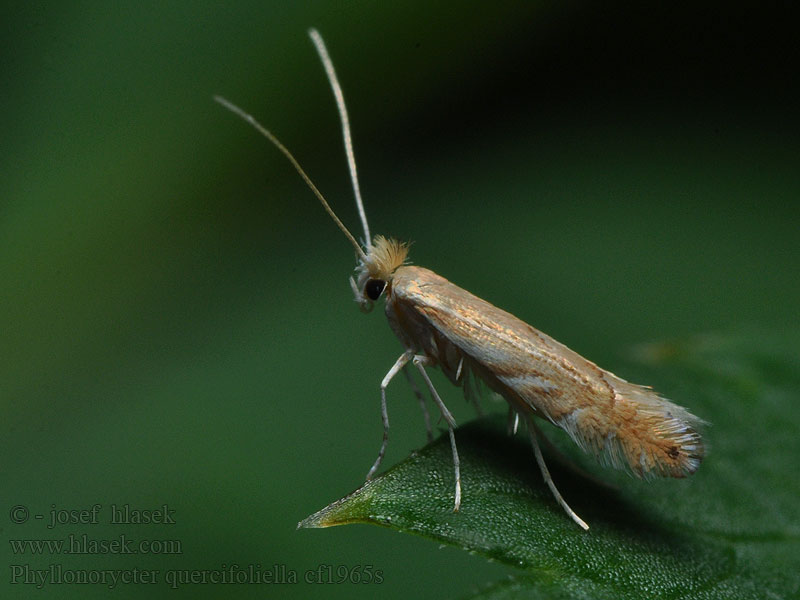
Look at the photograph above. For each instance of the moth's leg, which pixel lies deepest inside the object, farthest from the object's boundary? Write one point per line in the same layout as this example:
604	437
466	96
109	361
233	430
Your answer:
425	414
356	291
532	430
363	303
397	367
420	361
513	422
572	465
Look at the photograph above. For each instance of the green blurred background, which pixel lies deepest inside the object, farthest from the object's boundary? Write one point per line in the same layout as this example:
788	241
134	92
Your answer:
176	321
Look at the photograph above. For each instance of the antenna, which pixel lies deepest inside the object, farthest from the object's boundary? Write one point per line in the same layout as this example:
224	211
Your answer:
348	140
268	134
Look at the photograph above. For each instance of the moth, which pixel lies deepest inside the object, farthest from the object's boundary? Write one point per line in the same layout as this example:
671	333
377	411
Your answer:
441	325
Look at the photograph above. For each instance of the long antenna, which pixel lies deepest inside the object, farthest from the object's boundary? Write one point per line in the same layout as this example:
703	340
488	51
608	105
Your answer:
348	140
268	134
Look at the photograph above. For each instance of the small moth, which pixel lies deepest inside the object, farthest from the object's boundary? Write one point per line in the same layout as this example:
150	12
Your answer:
442	325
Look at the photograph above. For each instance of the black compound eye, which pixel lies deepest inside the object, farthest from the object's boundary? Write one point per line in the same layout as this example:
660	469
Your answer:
374	288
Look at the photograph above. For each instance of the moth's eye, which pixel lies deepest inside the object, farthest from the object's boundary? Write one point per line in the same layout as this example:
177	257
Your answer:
373	288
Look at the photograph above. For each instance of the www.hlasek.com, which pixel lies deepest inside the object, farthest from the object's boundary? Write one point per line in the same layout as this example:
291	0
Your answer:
84	544
56	574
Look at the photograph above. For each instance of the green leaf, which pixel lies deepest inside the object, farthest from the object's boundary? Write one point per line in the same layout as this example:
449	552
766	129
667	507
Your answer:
730	531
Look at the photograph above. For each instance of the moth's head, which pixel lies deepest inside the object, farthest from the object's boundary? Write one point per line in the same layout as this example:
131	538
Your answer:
376	270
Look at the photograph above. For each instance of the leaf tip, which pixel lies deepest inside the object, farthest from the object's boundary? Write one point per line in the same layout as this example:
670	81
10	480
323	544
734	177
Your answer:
315	521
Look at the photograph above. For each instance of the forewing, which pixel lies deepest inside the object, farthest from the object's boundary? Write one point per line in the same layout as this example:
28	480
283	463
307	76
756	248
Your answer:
623	424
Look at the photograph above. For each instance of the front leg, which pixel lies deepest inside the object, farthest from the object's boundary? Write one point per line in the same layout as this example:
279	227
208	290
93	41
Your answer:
396	368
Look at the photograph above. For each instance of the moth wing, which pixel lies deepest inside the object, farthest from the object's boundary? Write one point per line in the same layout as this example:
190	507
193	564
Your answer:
623	424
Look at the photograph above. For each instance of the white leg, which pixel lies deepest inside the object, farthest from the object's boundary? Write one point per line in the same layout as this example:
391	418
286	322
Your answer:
532	429
571	464
364	304
420	361
425	414
398	365
513	421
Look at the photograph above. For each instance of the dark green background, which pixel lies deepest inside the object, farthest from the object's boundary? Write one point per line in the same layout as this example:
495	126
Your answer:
176	323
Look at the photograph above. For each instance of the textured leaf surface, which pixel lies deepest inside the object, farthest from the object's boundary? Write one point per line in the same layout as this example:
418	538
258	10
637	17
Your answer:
731	531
